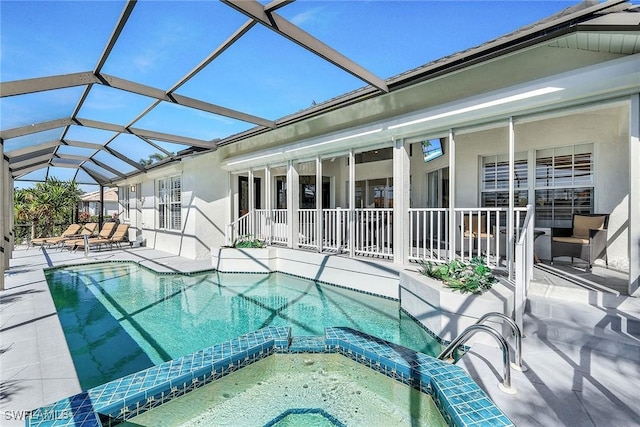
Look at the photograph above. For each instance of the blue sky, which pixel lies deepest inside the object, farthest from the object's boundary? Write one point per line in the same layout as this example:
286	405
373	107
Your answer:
262	74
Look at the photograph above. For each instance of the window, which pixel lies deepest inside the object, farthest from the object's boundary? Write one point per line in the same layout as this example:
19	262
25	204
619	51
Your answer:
123	200
564	184
495	180
374	193
170	203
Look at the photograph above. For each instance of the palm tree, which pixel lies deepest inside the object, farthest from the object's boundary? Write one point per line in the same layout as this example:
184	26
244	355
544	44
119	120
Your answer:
155	157
47	203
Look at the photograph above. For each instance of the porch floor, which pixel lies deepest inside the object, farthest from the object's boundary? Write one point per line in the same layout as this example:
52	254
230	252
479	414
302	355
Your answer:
572	378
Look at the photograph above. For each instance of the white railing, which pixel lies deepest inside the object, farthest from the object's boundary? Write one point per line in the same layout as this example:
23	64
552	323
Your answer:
335	230
479	232
238	228
307	228
374	232
428	234
279	227
524	255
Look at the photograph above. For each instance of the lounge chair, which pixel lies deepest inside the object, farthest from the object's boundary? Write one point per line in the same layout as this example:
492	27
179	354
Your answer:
106	231
71	230
119	236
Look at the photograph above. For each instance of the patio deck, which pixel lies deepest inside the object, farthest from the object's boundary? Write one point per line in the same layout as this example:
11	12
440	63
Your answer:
582	345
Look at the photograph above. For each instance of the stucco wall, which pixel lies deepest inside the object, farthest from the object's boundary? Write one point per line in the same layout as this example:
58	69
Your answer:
606	129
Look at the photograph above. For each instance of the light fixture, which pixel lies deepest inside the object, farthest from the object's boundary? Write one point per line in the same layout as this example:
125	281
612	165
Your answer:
132	189
252	159
344	138
495	102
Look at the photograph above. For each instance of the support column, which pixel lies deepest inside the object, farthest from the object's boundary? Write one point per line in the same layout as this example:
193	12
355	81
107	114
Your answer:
293	204
267	203
3	217
452	195
511	216
9	217
101	212
319	207
231	196
251	206
401	182
634	196
352	203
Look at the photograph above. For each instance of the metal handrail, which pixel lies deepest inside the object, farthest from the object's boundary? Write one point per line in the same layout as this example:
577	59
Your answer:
516	332
471	330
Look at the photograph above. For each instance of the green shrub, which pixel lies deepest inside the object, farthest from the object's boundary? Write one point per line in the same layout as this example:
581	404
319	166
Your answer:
248	242
473	277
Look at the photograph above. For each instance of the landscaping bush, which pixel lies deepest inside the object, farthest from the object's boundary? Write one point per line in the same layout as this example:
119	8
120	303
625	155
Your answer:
473	277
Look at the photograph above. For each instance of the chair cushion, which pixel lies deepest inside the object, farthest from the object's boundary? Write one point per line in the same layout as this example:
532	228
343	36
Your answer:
582	225
576	240
474	224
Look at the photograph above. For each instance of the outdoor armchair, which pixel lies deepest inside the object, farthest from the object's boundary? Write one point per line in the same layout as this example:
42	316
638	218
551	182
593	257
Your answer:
586	239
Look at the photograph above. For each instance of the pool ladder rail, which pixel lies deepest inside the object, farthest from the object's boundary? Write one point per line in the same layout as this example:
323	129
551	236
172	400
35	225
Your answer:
447	353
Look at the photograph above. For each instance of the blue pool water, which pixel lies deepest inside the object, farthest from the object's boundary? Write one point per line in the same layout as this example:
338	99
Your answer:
120	318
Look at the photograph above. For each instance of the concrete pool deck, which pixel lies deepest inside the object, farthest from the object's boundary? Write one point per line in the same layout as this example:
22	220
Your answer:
583	358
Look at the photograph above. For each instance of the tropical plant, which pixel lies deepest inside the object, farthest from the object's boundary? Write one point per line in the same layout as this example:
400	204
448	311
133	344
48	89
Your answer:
247	242
153	158
473	277
46	204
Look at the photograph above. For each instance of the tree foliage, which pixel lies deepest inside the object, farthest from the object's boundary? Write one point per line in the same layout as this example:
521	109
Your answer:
153	158
45	204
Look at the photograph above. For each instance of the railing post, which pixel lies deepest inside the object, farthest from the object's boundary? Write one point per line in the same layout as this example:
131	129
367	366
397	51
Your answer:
352	204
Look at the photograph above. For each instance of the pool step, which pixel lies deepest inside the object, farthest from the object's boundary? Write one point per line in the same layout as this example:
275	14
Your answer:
313	344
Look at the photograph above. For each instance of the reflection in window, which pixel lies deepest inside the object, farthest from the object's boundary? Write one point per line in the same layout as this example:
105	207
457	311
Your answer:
374	193
281	192
170	203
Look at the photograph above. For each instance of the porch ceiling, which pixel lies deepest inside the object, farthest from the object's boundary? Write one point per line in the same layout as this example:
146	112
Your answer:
101	121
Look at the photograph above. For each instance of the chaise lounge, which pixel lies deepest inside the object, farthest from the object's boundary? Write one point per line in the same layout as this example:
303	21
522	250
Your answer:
119	236
71	230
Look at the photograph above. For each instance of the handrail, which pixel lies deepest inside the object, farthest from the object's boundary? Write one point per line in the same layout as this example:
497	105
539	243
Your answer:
524	252
473	329
516	332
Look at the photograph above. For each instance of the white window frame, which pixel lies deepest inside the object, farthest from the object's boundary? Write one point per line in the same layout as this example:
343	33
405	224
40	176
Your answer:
124	202
532	185
169	203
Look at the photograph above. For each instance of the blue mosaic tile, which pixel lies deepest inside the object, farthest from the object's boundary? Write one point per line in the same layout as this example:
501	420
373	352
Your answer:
460	400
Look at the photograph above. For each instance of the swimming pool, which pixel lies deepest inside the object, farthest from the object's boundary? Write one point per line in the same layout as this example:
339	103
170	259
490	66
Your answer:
120	318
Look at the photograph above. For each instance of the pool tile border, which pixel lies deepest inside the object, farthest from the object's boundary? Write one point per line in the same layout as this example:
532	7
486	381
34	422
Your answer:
459	399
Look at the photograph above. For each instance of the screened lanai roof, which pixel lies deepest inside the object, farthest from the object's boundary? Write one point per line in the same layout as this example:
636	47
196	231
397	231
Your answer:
98	91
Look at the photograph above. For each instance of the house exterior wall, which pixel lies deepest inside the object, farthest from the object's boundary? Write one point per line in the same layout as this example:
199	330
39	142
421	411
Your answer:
606	129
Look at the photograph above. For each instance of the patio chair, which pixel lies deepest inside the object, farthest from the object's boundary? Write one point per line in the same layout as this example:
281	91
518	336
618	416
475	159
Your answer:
105	232
71	230
119	236
481	240
88	229
586	239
